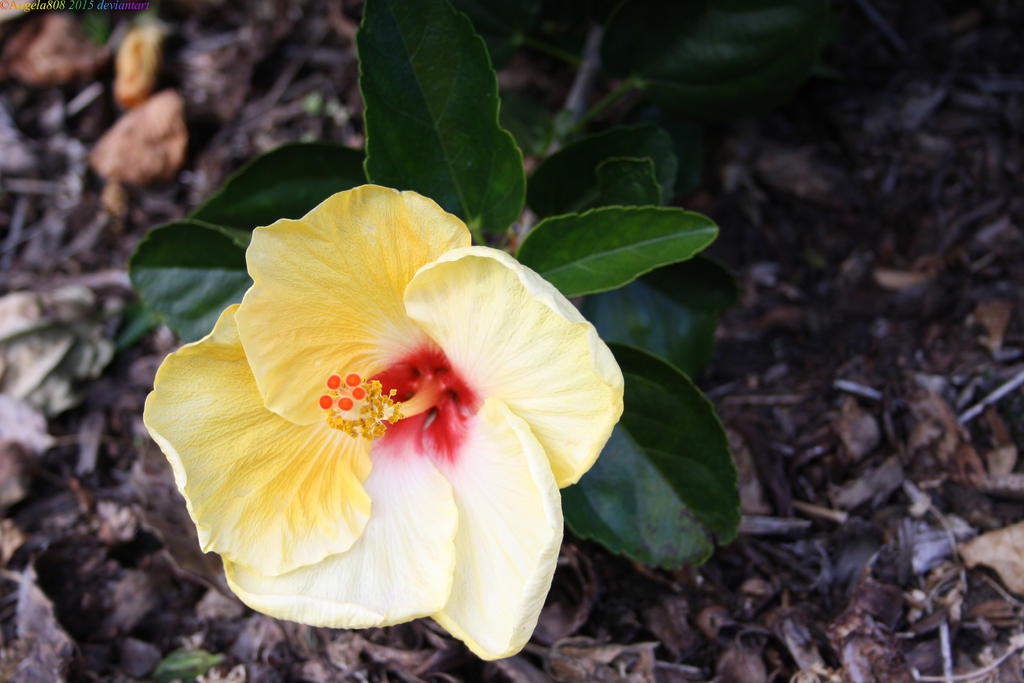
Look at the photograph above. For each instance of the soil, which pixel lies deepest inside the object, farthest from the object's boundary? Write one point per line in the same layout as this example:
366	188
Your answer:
873	222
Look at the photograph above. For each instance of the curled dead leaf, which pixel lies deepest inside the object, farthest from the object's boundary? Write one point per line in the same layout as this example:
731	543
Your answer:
52	50
137	64
857	429
994	316
146	145
48	342
1001	550
899	280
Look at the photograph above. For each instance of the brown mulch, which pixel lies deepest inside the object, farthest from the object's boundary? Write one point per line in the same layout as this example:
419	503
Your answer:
874	223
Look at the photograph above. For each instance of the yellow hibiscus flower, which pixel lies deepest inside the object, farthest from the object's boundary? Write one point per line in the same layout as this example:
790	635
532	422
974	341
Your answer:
379	430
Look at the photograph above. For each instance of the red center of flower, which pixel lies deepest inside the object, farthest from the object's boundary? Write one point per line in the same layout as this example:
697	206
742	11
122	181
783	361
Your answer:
437	401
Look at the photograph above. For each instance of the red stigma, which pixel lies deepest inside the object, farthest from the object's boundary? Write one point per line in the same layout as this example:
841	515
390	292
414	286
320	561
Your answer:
326	402
345	403
333	382
359	393
353	380
439	430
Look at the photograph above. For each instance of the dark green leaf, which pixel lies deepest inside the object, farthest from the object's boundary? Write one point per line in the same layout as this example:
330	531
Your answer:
530	123
605	248
686	142
500	23
188	272
671	311
623	181
136	322
665	486
431	113
714	58
567	181
284	183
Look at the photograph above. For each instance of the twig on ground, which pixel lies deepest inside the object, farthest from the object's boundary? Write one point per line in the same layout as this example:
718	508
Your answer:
14	233
1016	644
995	396
837	516
882	25
857	389
947	653
762	525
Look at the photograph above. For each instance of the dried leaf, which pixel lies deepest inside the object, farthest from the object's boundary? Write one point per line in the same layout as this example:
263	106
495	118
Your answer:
857	429
876	485
1003	551
11	538
741	665
994	316
23	423
574	590
582	660
49	341
146	145
137	63
52	50
899	280
49	647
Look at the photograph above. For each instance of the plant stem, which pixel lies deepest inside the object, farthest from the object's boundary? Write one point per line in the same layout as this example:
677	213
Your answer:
626	86
548	49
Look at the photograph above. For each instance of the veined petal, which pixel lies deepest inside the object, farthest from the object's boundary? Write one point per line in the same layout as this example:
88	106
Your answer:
510	528
399	569
327	291
514	336
262	491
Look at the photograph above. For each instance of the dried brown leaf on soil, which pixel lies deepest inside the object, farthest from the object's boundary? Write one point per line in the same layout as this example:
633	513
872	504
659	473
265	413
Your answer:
899	280
862	635
740	664
581	660
572	596
994	316
857	429
48	342
137	63
48	646
51	50
1001	550
146	145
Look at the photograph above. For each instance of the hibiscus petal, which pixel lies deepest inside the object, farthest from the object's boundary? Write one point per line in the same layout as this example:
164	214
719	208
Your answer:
514	336
399	569
262	491
327	291
510	529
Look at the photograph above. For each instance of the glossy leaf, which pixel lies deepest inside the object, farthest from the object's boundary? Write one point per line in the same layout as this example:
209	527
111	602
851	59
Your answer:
188	272
567	181
625	181
284	183
431	113
608	247
671	312
713	58
665	487
528	121
500	23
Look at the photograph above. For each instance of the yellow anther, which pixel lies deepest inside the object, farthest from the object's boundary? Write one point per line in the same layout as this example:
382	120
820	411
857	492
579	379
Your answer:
362	409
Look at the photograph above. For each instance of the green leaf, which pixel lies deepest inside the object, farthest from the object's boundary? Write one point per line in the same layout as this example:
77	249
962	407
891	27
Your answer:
608	247
431	112
665	487
567	181
713	58
500	23
284	183
624	181
136	322
188	272
531	124
185	665
671	311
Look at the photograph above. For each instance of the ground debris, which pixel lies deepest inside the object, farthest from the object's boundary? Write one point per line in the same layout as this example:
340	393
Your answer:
147	145
1003	551
51	50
